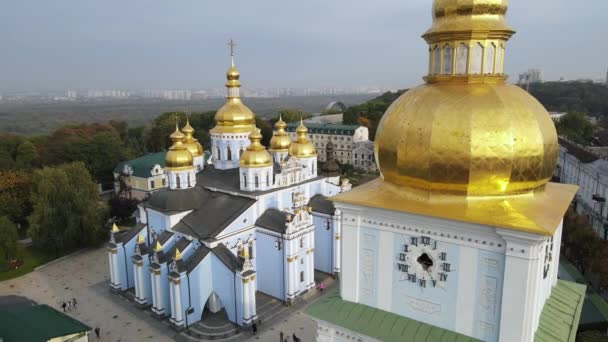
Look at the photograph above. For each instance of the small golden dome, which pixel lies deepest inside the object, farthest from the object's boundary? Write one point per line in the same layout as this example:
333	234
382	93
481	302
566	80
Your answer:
192	144
255	155
302	147
280	141
178	157
232	74
477	139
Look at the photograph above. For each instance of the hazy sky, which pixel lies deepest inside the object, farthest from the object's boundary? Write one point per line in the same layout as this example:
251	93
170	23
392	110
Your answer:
61	44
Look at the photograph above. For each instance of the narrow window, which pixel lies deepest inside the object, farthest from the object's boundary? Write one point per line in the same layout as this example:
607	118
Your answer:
448	55
250	251
462	56
476	56
229	152
189	181
489	62
301	276
164	182
152	186
178	181
436	60
302	243
267	179
219	153
257	182
245	179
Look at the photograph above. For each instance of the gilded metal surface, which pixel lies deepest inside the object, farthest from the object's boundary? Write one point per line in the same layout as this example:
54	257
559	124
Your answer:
192	144
538	212
302	147
280	141
474	139
255	155
451	16
178	157
233	116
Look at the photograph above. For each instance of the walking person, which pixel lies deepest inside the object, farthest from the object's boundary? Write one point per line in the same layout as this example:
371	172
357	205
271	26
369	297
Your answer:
69	305
295	338
63	306
97	332
74	303
254	328
281	336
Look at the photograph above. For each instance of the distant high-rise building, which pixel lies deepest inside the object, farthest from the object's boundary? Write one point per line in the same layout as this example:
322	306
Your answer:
531	76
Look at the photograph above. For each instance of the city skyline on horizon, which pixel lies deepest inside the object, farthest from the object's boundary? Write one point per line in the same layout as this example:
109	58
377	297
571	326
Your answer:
154	45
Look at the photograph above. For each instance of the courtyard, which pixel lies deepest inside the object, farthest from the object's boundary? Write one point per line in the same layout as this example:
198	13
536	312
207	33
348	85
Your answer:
83	276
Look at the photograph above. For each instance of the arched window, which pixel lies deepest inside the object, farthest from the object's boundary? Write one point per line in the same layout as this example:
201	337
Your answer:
436	60
229	153
219	153
500	52
177	180
462	58
245	179
430	60
267	179
489	61
257	182
476	56
189	181
448	54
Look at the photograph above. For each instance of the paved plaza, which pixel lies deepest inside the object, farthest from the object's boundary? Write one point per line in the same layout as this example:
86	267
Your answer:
84	276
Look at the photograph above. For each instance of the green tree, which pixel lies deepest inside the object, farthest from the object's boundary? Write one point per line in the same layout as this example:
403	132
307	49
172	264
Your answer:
66	212
576	127
292	115
157	138
26	155
266	130
9	241
371	112
15	187
591	336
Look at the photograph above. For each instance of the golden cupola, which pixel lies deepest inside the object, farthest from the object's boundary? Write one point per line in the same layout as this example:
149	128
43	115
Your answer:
192	144
255	155
466	131
178	157
233	116
280	141
302	147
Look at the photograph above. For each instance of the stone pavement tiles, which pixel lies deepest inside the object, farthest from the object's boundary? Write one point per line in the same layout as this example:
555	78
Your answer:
84	276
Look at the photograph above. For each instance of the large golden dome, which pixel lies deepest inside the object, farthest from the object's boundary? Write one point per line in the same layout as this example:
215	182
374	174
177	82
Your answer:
467	131
192	144
302	147
178	157
255	155
478	139
280	141
233	116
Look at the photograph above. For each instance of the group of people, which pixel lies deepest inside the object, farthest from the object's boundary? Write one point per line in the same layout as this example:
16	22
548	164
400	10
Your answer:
67	306
285	338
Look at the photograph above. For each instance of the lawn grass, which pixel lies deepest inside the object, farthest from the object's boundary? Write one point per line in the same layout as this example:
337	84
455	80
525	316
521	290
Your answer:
32	258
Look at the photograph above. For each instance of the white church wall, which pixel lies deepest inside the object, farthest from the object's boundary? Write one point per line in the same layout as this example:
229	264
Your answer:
270	265
172	220
200	289
245	221
156	221
224	282
475	255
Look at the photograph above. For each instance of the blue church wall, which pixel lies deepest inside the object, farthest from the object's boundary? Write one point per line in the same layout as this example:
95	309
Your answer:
244	220
490	271
200	289
146	279
224	282
124	252
165	301
324	239
432	305
270	270
368	258
183	291
156	221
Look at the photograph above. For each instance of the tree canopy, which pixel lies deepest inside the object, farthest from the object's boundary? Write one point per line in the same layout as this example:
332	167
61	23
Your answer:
586	97
9	241
576	127
292	115
15	187
369	113
66	212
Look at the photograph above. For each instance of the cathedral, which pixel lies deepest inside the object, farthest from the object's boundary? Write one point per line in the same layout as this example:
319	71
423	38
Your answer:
249	219
459	239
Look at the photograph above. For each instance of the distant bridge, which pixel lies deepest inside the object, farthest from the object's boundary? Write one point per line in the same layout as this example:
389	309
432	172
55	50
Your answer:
336	105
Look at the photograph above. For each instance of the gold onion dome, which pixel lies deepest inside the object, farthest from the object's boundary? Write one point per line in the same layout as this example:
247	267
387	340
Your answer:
467	132
255	155
233	116
178	157
192	144
302	147
280	141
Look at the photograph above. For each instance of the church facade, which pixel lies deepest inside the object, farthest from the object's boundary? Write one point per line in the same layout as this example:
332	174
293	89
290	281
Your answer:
460	238
249	220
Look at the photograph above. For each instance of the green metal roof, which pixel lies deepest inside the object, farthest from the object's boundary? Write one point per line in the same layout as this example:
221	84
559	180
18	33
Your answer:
561	313
37	323
143	165
318	128
595	308
378	324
